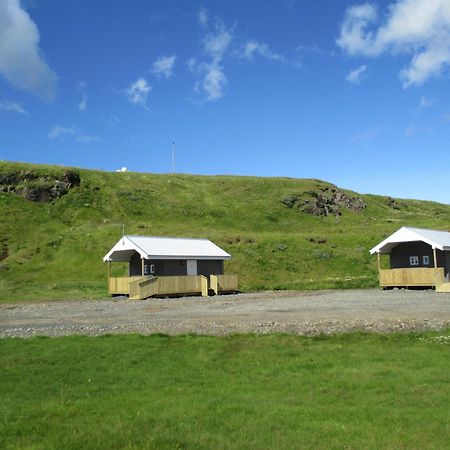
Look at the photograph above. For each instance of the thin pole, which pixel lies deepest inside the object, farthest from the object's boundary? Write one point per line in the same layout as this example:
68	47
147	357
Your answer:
173	156
435	257
379	261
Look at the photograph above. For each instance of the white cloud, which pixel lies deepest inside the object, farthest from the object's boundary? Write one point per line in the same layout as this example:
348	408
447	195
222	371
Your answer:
217	43
164	65
138	92
87	139
13	107
82	105
213	79
203	17
411	131
253	47
60	132
425	102
418	28
21	60
367	135
357	75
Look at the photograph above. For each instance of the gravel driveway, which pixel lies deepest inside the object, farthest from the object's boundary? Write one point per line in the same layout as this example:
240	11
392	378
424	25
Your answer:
307	312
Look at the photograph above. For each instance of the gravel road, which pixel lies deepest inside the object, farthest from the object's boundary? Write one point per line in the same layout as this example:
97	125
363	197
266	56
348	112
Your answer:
307	312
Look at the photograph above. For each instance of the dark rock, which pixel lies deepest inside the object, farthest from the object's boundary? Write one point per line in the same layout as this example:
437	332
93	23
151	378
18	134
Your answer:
3	250
324	202
71	179
317	240
392	203
37	187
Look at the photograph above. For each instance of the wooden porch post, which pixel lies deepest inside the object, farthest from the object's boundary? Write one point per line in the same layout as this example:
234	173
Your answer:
435	257
109	269
379	262
142	269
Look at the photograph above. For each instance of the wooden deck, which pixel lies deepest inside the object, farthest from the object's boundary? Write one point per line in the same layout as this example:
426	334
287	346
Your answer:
419	276
138	288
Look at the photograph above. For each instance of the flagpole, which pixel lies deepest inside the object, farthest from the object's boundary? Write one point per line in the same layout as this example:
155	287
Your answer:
173	156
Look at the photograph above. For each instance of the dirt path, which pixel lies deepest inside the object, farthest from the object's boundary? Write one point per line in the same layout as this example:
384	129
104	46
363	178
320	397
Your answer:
308	312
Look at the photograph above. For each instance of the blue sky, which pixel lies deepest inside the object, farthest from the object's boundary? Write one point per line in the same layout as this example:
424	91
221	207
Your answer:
349	92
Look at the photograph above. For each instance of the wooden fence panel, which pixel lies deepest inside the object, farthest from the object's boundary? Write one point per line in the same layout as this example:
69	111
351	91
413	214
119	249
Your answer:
227	283
419	276
120	285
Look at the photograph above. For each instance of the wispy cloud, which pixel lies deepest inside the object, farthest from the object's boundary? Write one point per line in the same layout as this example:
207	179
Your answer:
164	65
213	81
220	43
356	76
203	17
411	131
425	102
58	132
253	47
21	59
418	28
138	92
365	136
13	107
82	104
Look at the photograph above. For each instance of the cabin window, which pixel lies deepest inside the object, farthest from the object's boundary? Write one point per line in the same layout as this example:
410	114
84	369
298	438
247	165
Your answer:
152	268
145	269
425	260
149	269
413	260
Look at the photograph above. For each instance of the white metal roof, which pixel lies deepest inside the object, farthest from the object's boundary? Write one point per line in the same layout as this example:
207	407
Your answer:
437	239
151	247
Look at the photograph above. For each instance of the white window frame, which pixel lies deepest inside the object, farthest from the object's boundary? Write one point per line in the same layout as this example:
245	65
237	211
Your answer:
152	269
413	260
425	260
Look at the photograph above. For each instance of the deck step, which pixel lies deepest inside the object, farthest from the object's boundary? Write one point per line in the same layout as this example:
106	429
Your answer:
444	287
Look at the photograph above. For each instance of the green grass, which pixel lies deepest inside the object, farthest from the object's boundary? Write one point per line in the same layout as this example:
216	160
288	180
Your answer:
277	391
55	249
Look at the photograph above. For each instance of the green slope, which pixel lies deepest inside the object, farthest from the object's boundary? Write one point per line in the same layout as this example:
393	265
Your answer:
55	249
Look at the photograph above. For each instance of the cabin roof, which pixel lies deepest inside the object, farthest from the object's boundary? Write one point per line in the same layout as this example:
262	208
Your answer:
437	239
155	247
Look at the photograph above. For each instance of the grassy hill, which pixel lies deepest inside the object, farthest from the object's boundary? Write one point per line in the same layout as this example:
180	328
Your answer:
53	248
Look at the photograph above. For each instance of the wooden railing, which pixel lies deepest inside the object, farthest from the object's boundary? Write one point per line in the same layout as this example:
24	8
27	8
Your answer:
223	283
120	285
143	288
138	288
186	284
419	276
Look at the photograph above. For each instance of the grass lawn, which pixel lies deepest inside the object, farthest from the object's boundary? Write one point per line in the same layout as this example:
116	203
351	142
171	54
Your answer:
277	391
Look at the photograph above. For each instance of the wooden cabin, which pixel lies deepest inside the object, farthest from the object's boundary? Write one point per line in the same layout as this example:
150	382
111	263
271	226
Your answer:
162	266
417	258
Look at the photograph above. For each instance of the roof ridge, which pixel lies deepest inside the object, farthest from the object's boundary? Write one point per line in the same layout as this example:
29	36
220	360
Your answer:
427	229
166	237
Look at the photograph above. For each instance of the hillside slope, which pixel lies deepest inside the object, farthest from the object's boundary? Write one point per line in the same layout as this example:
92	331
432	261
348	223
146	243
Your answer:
283	233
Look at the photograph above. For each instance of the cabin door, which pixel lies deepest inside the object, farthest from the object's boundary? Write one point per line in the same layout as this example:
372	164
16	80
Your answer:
192	267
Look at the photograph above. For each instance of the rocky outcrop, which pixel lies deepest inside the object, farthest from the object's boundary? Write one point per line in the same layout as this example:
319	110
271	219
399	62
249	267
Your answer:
324	202
392	203
38	187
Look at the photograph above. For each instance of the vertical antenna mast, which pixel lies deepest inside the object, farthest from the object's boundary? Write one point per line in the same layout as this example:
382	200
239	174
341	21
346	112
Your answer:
173	156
